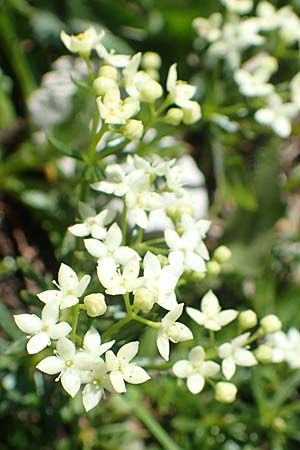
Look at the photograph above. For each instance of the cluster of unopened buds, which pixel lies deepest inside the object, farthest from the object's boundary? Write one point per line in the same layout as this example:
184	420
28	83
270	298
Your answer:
132	269
271	36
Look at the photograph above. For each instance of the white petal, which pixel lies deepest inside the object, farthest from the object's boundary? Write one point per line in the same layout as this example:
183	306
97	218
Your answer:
111	361
91	340
117	381
135	375
196	315
71	382
50	313
282	126
37	343
174	314
28	323
51	365
59	330
68	300
151	265
95	248
123	254
182	369
97	231
225	350
105	347
128	352
66	349
114	237
210	303
131	270
139	216
172	239
195	383
195	262
82	285
85	361
91	396
241	340
172	78
49	296
67	278
244	357
210	369
197	354
79	229
163	346
227	316
228	367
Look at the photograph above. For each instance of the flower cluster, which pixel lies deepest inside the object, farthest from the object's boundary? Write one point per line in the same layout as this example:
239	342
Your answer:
127	266
269	34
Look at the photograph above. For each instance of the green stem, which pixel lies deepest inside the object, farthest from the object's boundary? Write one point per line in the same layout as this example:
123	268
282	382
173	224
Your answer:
115	328
147	322
127	304
212	337
75	322
124	223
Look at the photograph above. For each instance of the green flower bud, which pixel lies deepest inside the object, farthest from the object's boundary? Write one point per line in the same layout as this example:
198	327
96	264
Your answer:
108	72
150	91
143	299
247	319
103	84
264	353
174	116
213	268
151	60
222	254
95	305
133	129
225	392
270	323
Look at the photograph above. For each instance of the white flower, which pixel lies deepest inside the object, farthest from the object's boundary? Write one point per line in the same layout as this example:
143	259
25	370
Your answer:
122	370
237	36
268	15
82	43
238	6
211	316
161	281
286	347
92	350
116	183
277	115
69	288
93	391
118	60
116	281
234	354
64	364
44	329
209	28
173	331
115	111
93	223
111	247
196	369
289	25
179	91
187	251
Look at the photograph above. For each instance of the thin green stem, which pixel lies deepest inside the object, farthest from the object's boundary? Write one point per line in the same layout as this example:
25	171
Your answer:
147	322
127	304
76	310
124	224
212	337
115	328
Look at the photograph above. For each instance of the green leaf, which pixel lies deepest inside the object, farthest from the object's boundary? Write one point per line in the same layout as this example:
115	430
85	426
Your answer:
61	148
7	323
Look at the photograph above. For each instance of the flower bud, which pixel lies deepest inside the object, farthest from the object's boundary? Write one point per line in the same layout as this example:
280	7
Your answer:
222	254
264	354
151	60
150	91
103	84
247	319
154	74
143	299
225	392
174	116
213	268
163	260
270	323
191	113
95	305
108	72
133	129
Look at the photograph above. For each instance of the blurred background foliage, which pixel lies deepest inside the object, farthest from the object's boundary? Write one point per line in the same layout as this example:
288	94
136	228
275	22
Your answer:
253	183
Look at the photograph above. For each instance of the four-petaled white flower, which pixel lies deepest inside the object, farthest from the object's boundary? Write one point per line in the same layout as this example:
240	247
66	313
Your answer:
234	354
179	91
286	347
211	316
187	251
161	281
82	43
44	329
122	370
111	247
277	115
117	181
96	381
64	364
115	111
116	281
238	6
196	369
210	28
92	349
93	224
173	331
69	288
